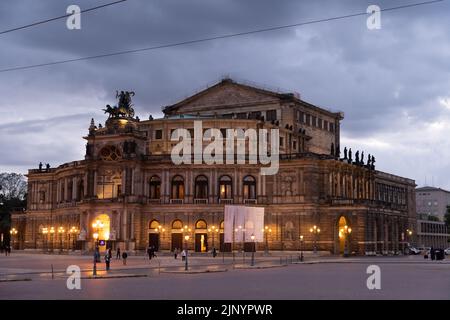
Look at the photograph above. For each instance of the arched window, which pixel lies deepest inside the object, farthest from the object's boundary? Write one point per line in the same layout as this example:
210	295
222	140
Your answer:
177	224
201	224
249	187
155	187
154	224
225	187
178	187
201	187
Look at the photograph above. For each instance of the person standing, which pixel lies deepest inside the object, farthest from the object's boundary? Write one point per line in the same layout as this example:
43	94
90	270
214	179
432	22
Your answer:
118	253
432	254
175	253
107	260
183	255
214	253
124	257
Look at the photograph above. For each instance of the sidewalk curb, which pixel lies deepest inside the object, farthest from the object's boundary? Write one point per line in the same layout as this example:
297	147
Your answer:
15	280
260	267
115	277
195	271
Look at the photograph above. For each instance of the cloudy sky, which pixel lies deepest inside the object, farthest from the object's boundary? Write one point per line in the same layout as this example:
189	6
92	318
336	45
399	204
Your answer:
393	84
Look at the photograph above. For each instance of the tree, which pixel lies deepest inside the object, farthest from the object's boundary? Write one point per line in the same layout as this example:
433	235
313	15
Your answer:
12	186
13	194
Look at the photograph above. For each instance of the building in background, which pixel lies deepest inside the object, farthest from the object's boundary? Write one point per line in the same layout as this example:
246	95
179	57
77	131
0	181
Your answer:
432	234
129	193
432	202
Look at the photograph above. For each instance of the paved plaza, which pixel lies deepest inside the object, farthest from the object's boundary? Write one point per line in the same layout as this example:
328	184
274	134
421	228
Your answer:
28	276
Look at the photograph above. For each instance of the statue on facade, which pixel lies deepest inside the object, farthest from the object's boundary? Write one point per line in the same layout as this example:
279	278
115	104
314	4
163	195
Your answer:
350	155
357	157
345	153
373	162
362	158
368	161
124	107
40	166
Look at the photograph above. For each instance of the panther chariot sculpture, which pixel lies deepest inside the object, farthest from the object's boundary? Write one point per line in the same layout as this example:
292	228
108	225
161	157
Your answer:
124	108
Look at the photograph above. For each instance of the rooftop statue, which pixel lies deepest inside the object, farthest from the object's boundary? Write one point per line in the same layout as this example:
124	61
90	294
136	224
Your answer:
124	109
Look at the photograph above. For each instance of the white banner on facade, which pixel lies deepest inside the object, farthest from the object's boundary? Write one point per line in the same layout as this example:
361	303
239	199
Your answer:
241	222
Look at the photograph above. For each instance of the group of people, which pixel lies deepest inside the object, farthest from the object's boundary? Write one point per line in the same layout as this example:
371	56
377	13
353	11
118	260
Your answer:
176	252
151	252
119	256
435	254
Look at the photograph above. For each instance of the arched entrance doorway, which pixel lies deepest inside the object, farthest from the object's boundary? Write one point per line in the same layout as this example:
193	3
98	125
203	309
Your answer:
201	236
344	232
177	235
153	234
101	227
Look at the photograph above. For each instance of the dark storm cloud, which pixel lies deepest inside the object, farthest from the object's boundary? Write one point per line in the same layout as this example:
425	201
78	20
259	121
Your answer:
391	83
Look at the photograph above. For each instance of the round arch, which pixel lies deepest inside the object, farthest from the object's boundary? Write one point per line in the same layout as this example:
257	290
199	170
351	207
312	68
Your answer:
153	225
201	224
177	224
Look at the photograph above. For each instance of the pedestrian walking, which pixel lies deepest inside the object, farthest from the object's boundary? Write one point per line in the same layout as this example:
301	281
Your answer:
432	254
214	252
149	253
124	257
118	253
175	253
7	250
183	255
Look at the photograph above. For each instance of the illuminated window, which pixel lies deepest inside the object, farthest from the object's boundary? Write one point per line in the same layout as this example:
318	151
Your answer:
201	224
154	224
177	224
249	187
225	187
178	187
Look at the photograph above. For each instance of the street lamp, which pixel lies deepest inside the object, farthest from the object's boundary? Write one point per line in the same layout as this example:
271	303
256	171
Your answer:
72	233
315	231
301	247
186	239
13	233
253	249
97	226
61	232
45	233
94	270
266	232
52	232
345	233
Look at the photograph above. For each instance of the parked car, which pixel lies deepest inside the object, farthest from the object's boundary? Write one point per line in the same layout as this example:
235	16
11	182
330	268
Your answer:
447	251
413	250
424	250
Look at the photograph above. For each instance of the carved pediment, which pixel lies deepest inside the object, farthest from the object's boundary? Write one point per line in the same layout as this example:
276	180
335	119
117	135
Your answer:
226	94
